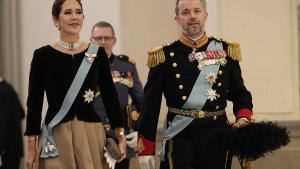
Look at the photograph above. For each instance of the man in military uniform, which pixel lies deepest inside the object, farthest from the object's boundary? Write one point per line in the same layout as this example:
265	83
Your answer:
127	82
197	75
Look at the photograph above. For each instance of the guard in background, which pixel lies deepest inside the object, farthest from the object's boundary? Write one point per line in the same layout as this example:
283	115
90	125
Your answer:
11	115
127	82
197	75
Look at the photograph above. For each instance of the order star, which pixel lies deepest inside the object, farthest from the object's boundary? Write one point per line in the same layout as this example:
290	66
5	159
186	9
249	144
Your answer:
89	96
211	95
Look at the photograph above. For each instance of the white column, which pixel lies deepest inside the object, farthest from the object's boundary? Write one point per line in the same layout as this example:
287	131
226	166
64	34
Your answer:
212	26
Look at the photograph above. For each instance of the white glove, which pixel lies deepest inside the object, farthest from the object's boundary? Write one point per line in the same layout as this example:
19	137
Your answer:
111	161
147	162
132	139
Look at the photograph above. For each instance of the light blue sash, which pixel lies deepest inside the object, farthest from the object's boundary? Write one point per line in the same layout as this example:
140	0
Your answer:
196	100
49	148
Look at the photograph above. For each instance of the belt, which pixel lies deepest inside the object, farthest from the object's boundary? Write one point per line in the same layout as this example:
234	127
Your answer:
196	113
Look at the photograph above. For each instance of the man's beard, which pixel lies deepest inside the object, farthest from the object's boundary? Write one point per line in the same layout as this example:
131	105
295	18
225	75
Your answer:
194	32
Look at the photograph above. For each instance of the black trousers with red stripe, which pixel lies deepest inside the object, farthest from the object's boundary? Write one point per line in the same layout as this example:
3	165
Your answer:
192	148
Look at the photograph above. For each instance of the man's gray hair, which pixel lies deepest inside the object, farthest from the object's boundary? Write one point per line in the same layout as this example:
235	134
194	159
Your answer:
177	2
104	24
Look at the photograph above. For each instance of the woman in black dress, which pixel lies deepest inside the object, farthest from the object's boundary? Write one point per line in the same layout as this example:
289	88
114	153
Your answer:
79	137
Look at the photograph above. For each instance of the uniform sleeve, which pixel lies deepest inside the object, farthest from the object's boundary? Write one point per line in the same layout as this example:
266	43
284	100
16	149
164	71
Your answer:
109	92
136	91
35	94
238	93
136	94
150	111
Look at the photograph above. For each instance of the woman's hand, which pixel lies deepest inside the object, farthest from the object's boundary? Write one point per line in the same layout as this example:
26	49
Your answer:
31	151
122	142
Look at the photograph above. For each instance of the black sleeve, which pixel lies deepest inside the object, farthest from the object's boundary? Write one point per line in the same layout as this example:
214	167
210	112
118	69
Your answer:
109	92
237	92
35	94
136	92
151	103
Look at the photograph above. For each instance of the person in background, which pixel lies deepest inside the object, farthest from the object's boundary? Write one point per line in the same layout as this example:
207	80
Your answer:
197	75
79	137
127	82
11	115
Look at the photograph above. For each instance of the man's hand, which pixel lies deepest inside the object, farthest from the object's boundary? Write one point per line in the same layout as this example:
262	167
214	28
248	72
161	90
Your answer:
147	162
122	142
132	139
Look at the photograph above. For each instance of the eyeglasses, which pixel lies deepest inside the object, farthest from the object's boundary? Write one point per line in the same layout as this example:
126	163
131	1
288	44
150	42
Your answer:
106	38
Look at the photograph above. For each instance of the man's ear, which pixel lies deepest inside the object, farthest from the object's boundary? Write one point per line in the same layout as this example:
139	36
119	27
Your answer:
176	18
115	40
206	15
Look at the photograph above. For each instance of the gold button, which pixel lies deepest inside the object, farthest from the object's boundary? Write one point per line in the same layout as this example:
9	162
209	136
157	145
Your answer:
180	87
217	107
219	84
174	65
172	54
215	117
183	97
220	72
177	76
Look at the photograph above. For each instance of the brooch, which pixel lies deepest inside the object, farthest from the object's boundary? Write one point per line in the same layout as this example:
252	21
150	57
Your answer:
90	57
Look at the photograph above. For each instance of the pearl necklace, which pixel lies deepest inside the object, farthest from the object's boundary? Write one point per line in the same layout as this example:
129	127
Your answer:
69	46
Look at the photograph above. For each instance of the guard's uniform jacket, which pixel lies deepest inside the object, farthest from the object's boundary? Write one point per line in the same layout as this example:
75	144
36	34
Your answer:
173	73
127	82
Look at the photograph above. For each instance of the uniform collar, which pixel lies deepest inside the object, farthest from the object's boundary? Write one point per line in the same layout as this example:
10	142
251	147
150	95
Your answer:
194	43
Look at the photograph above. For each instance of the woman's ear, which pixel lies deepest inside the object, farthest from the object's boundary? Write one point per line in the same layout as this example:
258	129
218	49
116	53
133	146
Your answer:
55	22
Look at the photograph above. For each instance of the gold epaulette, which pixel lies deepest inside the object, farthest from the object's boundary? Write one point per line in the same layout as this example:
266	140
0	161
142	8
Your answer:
234	51
130	60
156	56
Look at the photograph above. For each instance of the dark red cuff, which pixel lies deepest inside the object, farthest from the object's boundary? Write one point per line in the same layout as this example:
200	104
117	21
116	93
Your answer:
244	113
145	147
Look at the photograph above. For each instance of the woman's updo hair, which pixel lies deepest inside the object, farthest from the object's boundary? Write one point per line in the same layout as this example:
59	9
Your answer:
56	7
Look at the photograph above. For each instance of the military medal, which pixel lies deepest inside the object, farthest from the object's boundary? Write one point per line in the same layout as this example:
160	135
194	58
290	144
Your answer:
211	95
125	78
88	96
211	77
208	58
192	55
